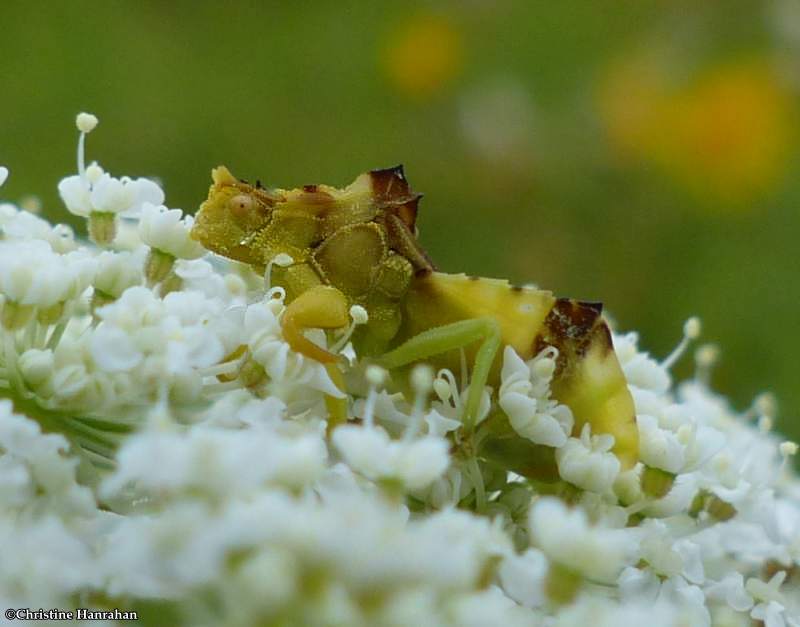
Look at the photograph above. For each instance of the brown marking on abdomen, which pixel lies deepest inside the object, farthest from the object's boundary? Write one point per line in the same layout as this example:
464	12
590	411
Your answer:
572	326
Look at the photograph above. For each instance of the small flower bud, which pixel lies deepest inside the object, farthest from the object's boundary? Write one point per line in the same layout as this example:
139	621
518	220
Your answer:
442	388
3	175
544	368
93	173
707	355
692	328
375	375
359	314
86	122
282	260
275	305
422	379
36	366
766	405
31	204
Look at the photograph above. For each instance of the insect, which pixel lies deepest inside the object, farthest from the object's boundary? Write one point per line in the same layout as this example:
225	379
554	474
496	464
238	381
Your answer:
358	245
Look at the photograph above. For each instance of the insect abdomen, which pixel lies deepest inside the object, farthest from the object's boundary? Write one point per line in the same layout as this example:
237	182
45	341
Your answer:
588	378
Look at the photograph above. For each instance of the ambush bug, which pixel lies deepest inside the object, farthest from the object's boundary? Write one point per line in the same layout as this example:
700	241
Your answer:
358	245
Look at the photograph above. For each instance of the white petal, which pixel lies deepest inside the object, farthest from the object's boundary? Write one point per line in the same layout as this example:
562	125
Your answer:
75	193
113	350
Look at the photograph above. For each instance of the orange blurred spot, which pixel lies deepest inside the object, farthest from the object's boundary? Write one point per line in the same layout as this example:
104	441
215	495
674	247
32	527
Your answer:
731	133
629	97
423	55
726	135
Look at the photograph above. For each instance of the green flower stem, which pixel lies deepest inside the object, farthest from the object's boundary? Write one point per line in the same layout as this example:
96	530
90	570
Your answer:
15	316
657	483
102	227
561	584
157	266
81	432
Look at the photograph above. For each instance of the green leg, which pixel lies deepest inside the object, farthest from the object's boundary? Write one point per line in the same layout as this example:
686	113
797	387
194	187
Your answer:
450	337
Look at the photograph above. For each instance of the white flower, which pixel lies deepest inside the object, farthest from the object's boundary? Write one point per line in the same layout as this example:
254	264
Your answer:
240	409
209	461
772	607
369	451
489	607
287	370
681	445
36	475
176	334
448	411
731	590
3	175
17	224
772	614
668	557
167	230
685	600
125	195
200	276
658	447
45	561
114	350
525	397
116	272
565	537
439	425
640	369
32	274
107	194
522	577
588	462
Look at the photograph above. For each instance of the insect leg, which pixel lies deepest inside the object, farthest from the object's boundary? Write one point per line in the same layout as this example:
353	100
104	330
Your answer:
321	307
450	337
337	407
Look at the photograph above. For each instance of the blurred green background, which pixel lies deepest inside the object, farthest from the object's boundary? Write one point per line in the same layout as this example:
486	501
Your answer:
640	153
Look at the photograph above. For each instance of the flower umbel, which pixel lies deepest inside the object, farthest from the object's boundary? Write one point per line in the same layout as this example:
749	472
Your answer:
163	447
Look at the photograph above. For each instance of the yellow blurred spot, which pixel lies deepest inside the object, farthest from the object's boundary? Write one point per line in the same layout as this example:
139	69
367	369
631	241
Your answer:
725	135
423	55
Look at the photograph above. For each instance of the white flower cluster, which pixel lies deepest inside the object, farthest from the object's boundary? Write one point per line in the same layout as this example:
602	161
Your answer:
164	450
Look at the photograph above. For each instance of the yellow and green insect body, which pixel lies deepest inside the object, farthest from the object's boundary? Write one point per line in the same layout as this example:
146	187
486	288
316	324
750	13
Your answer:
358	246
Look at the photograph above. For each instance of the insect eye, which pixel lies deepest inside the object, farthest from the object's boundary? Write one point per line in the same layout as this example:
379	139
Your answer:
241	205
